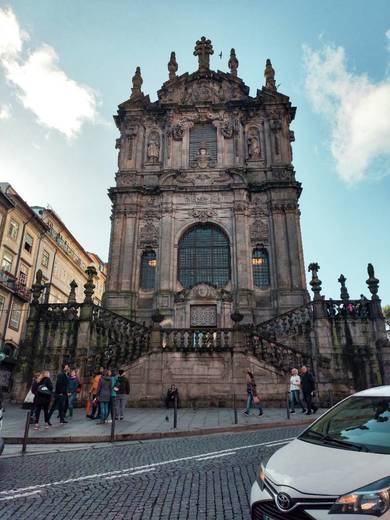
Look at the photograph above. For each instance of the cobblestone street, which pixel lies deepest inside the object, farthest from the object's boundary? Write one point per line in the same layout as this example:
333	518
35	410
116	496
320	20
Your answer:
188	478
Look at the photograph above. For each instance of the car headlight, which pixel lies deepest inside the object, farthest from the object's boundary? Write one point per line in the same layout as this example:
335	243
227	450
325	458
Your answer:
261	477
373	499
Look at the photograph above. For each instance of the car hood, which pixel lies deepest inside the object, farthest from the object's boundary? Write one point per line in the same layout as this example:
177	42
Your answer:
315	469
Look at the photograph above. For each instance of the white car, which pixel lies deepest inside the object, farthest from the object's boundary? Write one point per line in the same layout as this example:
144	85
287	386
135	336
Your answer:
337	469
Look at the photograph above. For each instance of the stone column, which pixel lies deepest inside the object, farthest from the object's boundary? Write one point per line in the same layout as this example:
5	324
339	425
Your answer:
280	246
129	253
114	261
241	266
296	256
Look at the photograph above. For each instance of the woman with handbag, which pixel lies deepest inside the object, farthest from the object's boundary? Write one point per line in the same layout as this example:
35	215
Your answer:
252	397
42	398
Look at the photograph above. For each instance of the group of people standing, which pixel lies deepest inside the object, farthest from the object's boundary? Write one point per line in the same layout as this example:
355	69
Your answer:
109	393
47	398
302	381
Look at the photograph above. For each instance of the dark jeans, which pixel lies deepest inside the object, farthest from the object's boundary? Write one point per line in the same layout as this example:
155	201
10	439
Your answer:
307	397
60	403
45	408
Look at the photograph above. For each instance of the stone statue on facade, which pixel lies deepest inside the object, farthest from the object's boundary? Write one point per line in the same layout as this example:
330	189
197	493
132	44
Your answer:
203	157
233	63
269	74
172	66
254	152
153	149
137	84
203	49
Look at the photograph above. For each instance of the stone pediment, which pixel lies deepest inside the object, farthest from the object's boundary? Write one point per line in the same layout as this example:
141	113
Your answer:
203	87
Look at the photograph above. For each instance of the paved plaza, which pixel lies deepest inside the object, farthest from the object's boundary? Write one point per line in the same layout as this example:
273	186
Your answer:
145	423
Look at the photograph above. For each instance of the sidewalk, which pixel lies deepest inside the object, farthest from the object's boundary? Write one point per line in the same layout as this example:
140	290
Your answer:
145	423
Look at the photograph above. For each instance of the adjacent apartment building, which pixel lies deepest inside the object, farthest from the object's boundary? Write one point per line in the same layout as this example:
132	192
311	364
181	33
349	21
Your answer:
33	238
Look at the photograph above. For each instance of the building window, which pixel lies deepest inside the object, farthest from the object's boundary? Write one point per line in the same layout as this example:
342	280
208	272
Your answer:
15	316
148	270
28	243
23	274
45	258
7	261
13	229
204	256
260	267
203	136
2	302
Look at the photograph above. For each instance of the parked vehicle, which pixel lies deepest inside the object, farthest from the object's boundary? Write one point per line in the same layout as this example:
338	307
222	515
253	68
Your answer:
338	468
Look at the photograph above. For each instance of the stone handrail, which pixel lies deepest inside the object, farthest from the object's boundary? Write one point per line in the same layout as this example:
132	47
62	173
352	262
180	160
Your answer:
358	309
199	339
289	323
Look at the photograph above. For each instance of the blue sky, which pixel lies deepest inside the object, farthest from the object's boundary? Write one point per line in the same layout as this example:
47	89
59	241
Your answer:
65	66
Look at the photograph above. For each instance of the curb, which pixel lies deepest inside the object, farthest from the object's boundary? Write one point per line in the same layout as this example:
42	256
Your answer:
72	439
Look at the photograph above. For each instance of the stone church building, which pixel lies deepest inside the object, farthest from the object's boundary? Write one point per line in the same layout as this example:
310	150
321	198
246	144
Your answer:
206	271
205	214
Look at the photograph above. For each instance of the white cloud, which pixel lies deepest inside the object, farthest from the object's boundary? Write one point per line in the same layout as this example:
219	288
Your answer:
357	109
57	101
5	112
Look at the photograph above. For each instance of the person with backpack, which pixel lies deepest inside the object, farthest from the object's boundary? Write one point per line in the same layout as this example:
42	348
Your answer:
44	391
122	394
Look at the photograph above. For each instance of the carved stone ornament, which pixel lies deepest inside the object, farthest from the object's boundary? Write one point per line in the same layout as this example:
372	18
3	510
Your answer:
227	129
177	132
203	291
259	231
172	66
148	236
203	49
203	159
125	179
233	63
203	214
153	148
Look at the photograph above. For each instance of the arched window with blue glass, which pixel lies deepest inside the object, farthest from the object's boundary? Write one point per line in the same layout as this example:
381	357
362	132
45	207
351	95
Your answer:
260	268
204	256
148	270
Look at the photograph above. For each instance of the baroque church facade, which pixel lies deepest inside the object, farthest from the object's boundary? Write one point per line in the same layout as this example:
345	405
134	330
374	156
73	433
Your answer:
206	272
205	213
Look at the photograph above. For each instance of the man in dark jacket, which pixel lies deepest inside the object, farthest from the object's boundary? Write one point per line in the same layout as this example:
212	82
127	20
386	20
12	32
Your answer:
308	387
122	394
61	394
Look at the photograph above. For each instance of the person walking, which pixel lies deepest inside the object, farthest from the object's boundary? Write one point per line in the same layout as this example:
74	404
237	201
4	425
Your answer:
252	397
73	386
294	389
172	395
44	391
114	389
308	387
122	395
61	394
103	395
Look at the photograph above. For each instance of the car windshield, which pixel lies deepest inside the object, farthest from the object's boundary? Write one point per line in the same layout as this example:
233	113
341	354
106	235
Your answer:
359	423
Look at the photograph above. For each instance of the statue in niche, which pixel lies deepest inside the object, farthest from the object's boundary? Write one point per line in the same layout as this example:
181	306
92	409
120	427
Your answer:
253	141
153	148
